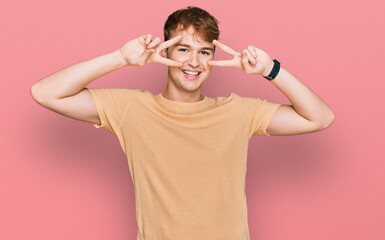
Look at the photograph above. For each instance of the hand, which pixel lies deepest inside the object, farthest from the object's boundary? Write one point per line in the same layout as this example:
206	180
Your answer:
252	60
144	49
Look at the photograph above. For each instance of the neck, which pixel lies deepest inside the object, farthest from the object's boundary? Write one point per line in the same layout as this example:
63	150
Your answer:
182	97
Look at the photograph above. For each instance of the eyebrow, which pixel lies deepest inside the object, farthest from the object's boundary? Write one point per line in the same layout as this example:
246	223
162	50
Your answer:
186	45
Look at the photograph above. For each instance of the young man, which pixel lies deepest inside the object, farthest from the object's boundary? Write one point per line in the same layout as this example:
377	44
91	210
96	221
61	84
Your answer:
186	152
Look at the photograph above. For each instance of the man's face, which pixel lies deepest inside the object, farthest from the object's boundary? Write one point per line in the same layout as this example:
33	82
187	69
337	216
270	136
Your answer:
194	54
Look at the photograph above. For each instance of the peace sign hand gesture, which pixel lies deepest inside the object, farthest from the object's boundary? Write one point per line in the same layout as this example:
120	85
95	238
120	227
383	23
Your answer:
144	49
252	60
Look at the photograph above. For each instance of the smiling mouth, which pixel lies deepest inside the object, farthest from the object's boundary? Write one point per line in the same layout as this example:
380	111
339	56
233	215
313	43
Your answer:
191	73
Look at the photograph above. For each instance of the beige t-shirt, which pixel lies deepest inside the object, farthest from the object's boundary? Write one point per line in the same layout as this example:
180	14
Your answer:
187	160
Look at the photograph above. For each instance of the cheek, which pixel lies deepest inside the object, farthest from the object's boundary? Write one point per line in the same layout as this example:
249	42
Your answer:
180	57
174	69
205	63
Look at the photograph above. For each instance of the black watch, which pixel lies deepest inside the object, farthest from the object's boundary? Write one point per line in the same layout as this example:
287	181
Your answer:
274	71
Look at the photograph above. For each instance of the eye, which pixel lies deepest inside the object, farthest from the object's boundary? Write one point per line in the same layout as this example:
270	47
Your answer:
205	53
182	49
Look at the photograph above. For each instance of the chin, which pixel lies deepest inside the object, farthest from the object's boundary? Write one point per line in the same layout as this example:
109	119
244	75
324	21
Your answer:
191	86
190	89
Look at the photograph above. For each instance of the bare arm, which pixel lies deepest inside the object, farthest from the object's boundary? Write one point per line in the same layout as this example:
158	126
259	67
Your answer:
308	112
64	91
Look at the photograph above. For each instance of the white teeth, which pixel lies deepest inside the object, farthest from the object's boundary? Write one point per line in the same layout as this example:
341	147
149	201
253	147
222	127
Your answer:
191	73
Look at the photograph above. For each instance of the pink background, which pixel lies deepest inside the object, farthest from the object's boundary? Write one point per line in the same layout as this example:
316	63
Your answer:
64	179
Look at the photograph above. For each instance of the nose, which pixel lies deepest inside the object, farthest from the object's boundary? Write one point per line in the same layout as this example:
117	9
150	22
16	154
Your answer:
193	60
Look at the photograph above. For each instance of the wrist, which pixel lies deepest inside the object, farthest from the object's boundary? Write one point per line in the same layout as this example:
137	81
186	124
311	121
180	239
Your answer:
268	68
119	58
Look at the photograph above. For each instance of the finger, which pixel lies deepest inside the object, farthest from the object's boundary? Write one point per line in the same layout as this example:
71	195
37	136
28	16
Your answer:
255	50
151	51
170	62
252	51
245	60
224	48
251	58
170	42
148	38
222	63
155	42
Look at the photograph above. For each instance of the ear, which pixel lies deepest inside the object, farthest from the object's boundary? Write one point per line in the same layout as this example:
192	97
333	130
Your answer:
163	53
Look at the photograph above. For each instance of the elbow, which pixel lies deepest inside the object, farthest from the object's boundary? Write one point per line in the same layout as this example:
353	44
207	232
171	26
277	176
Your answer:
34	91
328	121
332	118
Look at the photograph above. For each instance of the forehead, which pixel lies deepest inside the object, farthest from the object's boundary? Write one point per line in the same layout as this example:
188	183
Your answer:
192	38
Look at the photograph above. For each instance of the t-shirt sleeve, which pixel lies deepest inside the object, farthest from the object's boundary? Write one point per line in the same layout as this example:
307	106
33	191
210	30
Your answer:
261	112
111	104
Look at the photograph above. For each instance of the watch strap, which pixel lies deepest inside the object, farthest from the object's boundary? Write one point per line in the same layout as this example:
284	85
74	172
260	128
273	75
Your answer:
274	71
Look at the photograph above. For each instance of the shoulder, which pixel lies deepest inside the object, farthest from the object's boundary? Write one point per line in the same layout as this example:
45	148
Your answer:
255	105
